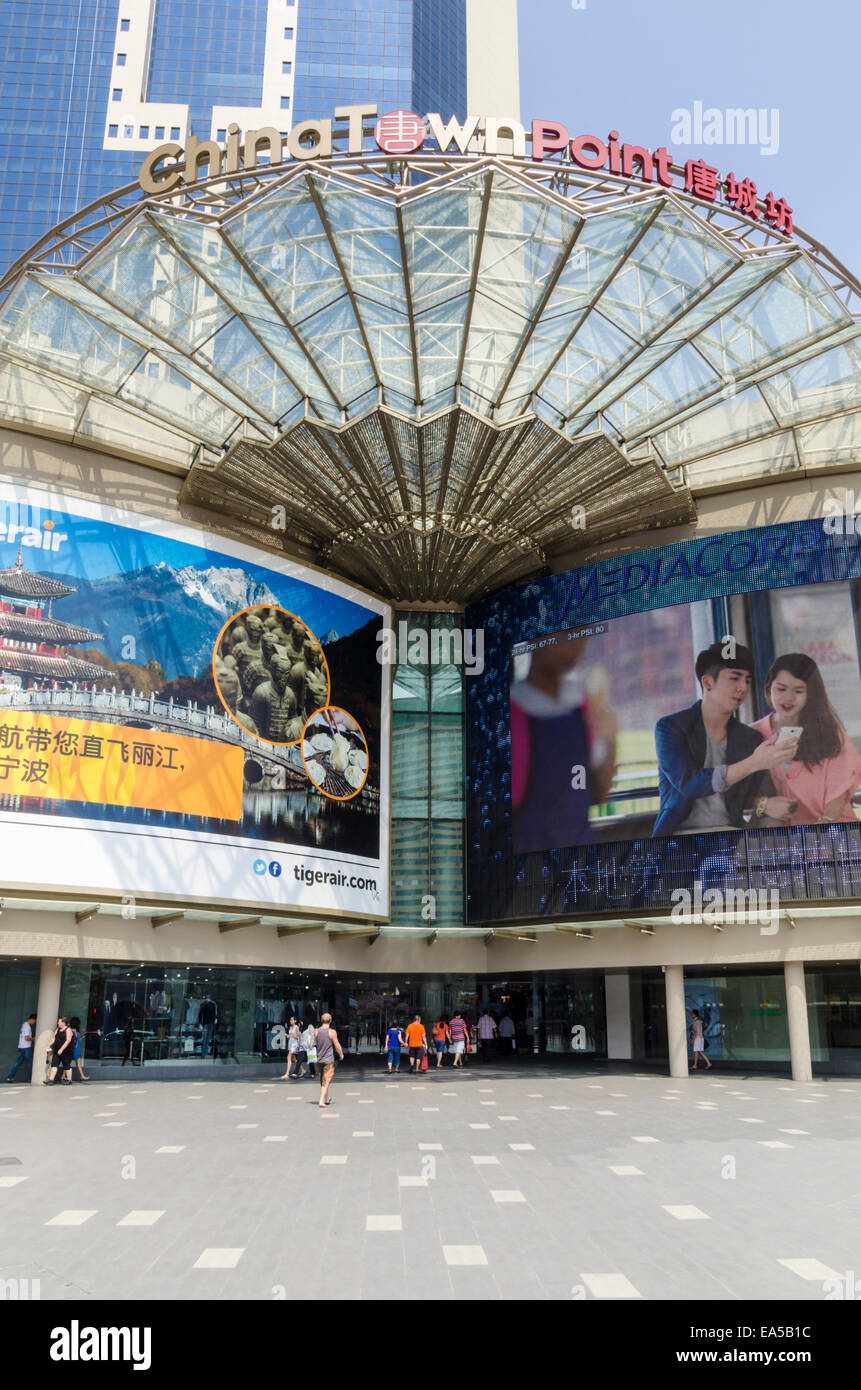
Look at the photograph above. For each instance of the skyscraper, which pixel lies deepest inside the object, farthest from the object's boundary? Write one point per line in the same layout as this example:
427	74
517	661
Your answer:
88	87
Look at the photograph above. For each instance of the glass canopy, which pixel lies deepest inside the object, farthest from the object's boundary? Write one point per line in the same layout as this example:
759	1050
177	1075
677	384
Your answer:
179	329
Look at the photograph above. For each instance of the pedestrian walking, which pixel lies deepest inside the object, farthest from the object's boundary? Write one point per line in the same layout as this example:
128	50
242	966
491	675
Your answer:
395	1040
698	1041
309	1043
300	1056
293	1034
25	1047
458	1034
508	1032
327	1046
62	1044
75	1025
486	1032
441	1036
417	1041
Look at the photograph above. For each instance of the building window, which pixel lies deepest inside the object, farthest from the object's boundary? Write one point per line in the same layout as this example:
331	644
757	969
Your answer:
285	103
143	134
118	94
124	25
121	60
288	34
159	132
174	132
221	136
128	132
113	132
286	67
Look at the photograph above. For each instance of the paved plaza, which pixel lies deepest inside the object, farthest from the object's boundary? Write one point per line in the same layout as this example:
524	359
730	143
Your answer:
496	1183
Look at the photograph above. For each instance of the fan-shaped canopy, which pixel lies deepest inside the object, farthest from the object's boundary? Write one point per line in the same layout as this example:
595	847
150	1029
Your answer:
428	363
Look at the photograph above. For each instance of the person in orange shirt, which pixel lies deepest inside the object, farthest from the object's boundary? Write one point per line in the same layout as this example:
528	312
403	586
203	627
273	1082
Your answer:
417	1041
441	1036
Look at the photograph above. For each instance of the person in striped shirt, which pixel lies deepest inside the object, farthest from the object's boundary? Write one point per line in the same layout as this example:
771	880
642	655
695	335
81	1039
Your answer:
457	1031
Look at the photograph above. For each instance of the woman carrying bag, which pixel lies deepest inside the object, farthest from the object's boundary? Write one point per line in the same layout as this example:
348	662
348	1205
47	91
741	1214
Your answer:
300	1055
309	1044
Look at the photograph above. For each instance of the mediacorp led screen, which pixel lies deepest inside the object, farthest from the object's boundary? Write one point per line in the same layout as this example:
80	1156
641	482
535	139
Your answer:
622	744
186	716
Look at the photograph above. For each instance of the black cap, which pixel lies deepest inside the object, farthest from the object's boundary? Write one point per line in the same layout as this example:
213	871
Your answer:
714	656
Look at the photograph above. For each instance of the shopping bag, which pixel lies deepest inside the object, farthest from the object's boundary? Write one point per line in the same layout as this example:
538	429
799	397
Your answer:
424	1065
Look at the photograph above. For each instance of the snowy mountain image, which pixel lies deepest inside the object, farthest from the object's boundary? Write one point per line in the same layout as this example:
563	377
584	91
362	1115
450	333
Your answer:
225	590
172	615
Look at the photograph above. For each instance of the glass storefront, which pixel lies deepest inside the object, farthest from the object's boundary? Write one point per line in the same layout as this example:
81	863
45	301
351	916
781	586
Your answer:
743	1014
175	1015
648	1005
834	1015
19	994
167	1016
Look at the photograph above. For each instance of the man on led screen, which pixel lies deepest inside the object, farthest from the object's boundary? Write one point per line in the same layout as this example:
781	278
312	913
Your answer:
711	767
563	748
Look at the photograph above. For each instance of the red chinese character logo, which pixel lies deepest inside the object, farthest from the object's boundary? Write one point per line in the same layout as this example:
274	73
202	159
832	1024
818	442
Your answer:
400	132
778	211
701	179
741	195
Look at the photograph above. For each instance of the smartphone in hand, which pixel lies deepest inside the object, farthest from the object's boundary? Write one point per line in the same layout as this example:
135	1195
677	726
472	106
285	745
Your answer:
789	733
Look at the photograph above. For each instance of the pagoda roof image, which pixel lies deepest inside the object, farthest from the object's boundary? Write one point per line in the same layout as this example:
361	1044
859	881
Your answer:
59	668
25	584
44	629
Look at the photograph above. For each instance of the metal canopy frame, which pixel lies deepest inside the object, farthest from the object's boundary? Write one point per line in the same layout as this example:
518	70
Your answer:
489	341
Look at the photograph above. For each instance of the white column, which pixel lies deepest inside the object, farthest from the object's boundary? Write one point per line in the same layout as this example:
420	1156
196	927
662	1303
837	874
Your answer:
796	1013
677	1031
618	1005
47	1013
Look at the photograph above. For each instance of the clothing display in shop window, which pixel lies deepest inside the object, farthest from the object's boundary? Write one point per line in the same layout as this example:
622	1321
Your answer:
270	1011
192	1010
206	1017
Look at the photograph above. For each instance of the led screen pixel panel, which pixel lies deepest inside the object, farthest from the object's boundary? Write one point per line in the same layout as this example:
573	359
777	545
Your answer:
688	713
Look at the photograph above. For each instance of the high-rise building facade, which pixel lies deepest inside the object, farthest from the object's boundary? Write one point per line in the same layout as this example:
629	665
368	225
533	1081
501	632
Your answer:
87	88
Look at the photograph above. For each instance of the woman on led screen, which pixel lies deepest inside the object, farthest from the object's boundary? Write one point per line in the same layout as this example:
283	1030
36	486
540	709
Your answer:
563	750
827	767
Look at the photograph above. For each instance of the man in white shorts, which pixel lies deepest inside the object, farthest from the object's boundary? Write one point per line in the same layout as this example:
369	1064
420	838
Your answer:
457	1030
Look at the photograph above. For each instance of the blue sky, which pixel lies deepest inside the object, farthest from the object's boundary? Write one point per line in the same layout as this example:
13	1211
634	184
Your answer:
627	64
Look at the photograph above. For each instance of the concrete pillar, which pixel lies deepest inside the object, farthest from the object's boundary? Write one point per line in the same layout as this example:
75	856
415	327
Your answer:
677	1027
618	1004
47	1013
796	1013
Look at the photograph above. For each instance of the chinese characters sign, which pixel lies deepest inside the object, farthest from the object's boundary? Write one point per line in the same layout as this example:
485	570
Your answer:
86	760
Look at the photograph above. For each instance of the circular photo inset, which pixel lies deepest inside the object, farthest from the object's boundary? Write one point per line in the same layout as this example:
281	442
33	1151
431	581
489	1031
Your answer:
270	672
335	753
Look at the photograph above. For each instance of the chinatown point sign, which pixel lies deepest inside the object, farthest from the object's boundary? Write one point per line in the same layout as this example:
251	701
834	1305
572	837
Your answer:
403	133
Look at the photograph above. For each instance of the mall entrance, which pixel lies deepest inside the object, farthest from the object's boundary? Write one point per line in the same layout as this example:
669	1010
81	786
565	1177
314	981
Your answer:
168	1016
